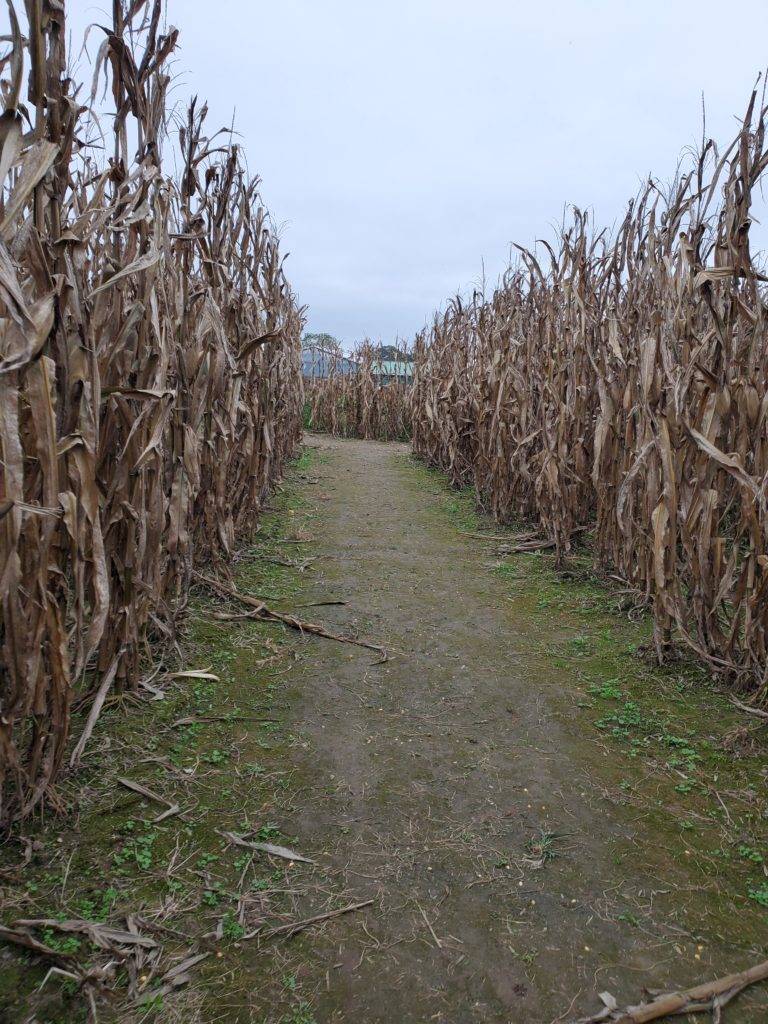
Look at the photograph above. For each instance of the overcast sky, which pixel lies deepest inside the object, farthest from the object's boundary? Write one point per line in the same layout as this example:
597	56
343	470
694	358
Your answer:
402	145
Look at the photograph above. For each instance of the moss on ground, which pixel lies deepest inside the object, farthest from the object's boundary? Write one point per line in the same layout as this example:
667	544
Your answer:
674	746
218	746
665	742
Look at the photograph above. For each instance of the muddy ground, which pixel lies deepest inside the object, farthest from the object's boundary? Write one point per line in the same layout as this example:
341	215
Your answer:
536	814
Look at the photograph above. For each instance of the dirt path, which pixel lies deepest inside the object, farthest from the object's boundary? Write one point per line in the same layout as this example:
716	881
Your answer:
535	813
455	786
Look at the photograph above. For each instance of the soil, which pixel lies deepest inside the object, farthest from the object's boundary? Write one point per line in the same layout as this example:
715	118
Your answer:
535	812
455	786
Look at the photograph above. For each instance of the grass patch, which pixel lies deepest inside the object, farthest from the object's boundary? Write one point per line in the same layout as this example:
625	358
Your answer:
219	748
664	738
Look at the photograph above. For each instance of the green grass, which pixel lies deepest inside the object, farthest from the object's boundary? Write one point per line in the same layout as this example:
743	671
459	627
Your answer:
119	861
665	730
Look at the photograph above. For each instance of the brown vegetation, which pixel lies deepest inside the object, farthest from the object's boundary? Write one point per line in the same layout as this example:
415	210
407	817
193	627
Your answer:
150	388
358	404
621	382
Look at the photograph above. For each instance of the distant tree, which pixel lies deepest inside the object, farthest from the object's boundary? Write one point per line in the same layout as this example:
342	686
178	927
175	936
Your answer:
327	342
392	352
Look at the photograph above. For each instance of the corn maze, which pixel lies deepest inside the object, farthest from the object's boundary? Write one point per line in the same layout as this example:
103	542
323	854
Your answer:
299	724
618	382
150	388
357	404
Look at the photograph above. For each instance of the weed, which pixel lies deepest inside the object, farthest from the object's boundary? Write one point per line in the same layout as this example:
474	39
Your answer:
540	849
138	851
301	1014
751	854
759	894
268	832
625	721
212	897
607	690
527	957
97	909
580	644
69	944
231	927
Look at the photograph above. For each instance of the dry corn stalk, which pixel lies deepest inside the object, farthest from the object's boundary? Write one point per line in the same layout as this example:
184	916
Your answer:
621	382
150	387
358	404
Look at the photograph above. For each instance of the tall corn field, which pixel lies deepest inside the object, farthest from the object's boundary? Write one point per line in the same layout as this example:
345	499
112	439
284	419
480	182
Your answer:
621	382
150	387
358	404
